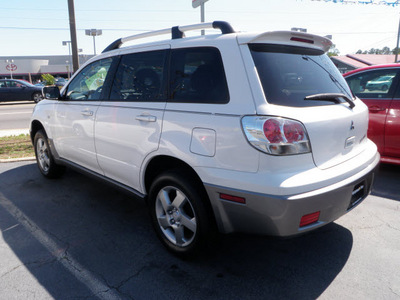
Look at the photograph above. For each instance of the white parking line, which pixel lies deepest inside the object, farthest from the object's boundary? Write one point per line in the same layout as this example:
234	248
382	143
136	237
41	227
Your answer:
94	284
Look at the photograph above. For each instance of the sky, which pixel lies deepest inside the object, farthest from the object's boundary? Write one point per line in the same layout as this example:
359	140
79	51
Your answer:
29	27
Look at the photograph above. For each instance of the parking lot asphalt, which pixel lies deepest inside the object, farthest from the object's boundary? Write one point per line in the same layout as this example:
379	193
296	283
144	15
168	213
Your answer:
76	238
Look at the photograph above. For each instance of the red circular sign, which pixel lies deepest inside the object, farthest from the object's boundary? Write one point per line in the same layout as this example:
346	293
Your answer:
11	67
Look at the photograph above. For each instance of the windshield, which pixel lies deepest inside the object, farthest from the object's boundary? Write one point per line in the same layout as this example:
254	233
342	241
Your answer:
290	74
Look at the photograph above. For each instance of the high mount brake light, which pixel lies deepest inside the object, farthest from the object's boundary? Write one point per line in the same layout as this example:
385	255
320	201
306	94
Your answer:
277	136
297	39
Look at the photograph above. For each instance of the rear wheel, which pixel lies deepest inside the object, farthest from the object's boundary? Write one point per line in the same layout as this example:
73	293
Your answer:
37	97
44	158
179	213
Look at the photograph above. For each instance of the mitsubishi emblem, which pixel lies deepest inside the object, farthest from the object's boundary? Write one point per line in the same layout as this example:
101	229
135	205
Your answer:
352	125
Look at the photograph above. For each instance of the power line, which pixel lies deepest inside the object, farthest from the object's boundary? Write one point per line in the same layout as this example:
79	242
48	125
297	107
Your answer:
80	29
144	30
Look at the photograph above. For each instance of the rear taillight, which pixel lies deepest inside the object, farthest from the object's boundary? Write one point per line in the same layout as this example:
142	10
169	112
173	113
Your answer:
274	135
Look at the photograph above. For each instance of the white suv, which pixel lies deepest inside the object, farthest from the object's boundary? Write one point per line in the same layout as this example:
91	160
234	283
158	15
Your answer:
231	132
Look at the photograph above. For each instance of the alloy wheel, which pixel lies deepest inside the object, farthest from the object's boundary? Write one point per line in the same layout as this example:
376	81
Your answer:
176	216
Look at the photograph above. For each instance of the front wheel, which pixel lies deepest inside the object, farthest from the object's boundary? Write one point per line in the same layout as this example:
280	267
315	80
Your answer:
44	158
179	213
37	97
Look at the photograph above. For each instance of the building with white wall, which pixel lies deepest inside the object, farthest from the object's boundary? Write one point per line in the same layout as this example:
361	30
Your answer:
31	68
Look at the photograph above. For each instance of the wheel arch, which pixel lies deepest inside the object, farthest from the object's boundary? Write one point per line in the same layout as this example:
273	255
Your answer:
163	163
35	127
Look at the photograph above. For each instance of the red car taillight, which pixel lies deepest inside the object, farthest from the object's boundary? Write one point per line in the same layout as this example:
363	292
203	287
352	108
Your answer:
274	135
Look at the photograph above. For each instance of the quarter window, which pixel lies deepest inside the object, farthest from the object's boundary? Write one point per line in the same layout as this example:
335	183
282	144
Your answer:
88	84
140	77
198	76
374	84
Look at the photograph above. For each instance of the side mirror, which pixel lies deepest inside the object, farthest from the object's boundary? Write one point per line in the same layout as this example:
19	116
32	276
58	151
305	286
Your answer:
51	92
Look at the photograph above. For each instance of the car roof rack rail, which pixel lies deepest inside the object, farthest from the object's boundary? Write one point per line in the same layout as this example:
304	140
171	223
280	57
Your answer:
177	32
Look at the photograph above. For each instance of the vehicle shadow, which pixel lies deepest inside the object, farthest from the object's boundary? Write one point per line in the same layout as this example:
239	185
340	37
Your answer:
387	182
79	221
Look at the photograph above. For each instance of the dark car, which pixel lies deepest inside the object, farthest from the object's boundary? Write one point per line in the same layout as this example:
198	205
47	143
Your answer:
379	88
15	90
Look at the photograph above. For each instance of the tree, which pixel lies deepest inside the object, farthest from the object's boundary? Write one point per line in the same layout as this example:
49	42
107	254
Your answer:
384	50
333	51
396	50
48	79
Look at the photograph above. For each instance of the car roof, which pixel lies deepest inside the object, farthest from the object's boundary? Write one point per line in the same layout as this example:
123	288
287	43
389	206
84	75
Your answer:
292	38
374	67
177	33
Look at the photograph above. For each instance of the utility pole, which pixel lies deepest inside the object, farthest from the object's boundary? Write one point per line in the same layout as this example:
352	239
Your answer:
397	45
197	3
202	16
72	28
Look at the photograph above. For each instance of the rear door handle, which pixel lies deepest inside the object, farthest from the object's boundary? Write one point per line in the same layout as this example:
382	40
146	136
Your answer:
146	118
87	113
376	109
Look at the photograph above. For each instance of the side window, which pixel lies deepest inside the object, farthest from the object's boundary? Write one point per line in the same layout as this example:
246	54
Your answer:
12	84
198	76
373	84
87	85
140	77
2	84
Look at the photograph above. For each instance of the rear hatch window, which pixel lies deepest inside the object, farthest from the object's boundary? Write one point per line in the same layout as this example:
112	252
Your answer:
289	74
336	126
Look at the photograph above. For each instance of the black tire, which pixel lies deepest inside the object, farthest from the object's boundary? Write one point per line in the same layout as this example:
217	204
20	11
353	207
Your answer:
44	158
37	97
179	213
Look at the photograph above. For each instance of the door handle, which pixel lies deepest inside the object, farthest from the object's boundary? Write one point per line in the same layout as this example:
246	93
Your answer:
87	113
376	109
146	118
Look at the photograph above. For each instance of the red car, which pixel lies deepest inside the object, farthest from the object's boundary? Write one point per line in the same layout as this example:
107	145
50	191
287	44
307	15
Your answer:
378	87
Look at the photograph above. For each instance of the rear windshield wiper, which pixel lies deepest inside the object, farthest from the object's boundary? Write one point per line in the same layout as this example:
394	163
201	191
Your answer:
334	97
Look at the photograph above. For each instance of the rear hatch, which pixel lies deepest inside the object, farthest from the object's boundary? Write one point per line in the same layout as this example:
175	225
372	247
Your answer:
301	83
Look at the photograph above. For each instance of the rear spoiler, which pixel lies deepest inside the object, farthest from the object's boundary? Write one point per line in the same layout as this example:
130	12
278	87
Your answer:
290	38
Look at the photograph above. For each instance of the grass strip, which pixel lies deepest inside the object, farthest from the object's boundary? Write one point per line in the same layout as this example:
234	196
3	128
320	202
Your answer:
19	146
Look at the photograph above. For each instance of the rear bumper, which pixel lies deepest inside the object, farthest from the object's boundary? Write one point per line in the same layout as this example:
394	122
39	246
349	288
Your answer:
281	215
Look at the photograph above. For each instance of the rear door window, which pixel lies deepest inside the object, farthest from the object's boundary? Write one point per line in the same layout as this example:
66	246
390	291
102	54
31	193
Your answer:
140	77
289	74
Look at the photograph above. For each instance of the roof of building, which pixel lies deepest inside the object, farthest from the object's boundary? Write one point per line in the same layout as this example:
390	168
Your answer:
365	60
374	67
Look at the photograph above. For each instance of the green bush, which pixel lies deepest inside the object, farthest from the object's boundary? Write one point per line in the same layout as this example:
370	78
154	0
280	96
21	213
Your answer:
48	79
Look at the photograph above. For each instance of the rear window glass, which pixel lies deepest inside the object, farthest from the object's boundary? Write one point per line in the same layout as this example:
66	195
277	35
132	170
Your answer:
289	74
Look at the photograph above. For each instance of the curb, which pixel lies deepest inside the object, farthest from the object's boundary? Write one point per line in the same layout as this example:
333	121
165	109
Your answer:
11	132
9	160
